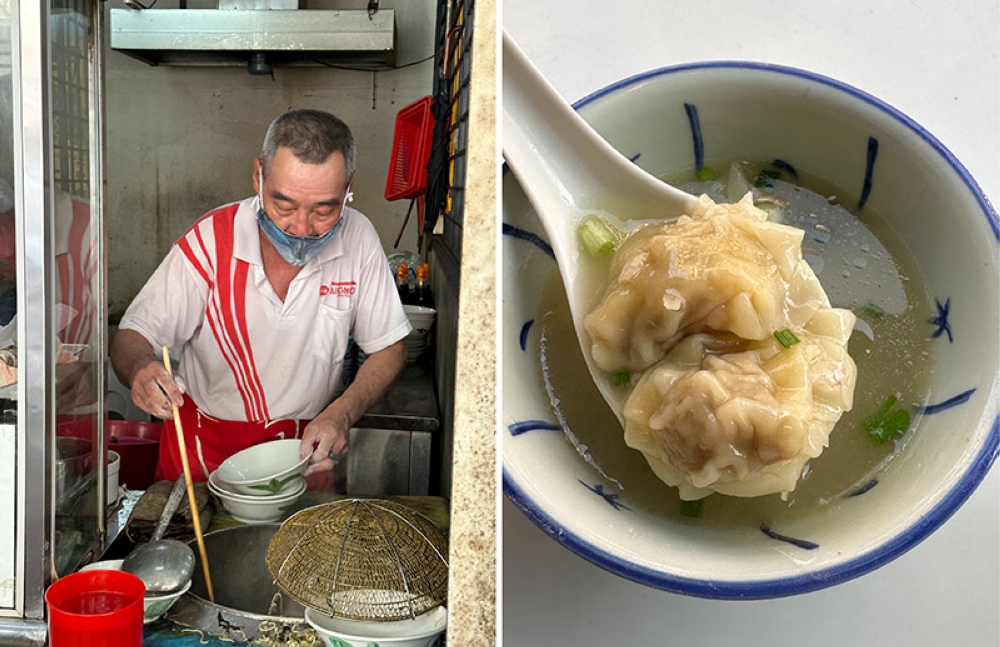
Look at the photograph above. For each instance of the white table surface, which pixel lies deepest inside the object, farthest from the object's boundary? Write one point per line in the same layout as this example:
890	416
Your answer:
940	64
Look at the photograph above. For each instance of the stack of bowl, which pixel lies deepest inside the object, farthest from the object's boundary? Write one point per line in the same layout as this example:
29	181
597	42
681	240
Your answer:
261	483
421	319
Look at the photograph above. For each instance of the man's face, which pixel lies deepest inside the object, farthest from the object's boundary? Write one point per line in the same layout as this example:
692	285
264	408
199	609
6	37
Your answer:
303	199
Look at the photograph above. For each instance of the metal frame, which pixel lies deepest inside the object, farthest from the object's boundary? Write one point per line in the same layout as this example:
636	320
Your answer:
31	62
35	277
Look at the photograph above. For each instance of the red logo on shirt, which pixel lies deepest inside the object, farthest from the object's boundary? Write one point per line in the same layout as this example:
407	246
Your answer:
338	289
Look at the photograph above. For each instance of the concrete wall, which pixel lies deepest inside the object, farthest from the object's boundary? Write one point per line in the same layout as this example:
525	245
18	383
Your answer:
181	141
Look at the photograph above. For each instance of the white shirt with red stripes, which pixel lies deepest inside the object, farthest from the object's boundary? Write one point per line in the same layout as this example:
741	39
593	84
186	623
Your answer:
247	355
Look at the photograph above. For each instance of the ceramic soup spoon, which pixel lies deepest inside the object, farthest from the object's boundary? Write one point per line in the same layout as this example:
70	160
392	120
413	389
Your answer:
568	171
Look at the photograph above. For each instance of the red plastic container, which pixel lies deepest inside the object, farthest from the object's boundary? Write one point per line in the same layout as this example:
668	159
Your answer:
411	150
138	444
99	608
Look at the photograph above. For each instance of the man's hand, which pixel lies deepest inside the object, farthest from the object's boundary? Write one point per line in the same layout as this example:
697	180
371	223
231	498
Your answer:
326	437
155	392
138	366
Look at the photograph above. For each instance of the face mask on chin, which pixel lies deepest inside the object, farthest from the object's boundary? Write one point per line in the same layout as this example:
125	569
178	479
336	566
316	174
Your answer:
296	250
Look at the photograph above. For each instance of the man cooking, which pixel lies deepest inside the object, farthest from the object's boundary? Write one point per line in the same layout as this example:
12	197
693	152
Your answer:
262	295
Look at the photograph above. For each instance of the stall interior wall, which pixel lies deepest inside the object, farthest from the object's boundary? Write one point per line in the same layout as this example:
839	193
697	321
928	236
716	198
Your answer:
181	141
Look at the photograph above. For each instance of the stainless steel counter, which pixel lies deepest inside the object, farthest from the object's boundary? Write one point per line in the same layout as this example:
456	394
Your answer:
410	404
392	445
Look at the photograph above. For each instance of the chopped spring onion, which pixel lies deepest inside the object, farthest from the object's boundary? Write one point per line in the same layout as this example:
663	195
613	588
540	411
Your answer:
873	310
621	378
766	178
596	236
885	423
786	338
706	175
693	508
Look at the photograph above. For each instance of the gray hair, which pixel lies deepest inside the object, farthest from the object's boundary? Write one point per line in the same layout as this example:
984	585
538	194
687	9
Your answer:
312	136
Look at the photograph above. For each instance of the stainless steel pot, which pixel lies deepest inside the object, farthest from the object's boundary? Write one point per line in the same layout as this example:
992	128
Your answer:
248	604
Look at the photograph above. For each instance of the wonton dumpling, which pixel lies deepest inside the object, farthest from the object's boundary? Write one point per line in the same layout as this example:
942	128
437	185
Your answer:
722	406
726	270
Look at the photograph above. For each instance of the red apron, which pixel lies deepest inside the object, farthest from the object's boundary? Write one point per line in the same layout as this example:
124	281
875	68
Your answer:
209	440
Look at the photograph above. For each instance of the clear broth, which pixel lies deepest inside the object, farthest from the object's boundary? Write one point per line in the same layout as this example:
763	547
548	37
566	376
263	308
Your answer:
865	262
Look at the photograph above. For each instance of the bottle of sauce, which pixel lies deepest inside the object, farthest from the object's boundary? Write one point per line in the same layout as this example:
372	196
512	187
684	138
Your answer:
403	284
422	295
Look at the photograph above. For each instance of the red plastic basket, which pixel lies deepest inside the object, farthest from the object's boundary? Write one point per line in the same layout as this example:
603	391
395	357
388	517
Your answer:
411	149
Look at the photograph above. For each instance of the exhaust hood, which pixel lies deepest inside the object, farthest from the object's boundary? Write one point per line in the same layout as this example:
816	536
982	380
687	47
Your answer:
255	38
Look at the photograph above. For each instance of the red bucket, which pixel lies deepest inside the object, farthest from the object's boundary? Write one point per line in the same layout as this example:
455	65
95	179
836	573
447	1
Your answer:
99	608
138	444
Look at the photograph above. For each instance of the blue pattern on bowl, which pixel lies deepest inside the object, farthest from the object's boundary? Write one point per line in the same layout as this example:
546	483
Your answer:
961	398
524	333
798	543
866	185
863	489
941	320
609	497
531	237
518	428
696	137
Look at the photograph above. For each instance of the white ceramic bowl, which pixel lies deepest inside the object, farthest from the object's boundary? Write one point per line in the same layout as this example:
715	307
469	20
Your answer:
254	509
725	111
216	484
421	318
422	631
154	606
264	469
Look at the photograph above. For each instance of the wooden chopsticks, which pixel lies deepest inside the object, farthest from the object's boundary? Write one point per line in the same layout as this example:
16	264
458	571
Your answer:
189	483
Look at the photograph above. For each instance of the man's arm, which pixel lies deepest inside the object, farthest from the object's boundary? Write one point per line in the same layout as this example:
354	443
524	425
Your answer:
330	429
141	368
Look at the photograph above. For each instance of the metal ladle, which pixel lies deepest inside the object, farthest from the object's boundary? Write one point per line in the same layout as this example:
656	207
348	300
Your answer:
165	565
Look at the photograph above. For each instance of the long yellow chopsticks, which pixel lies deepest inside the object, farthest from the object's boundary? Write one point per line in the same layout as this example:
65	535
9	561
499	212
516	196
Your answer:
195	519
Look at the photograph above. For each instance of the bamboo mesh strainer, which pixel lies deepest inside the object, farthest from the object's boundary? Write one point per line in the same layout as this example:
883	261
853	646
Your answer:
362	559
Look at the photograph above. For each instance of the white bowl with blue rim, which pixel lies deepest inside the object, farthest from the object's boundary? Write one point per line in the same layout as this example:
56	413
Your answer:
572	474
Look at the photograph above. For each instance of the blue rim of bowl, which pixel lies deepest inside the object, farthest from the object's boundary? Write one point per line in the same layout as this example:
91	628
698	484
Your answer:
870	561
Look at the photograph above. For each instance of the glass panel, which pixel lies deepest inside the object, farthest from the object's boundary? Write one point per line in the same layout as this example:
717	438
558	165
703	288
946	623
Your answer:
8	294
8	305
77	313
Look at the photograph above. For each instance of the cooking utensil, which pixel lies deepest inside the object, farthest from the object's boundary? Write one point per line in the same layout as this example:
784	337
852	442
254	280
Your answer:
567	171
195	520
165	565
362	559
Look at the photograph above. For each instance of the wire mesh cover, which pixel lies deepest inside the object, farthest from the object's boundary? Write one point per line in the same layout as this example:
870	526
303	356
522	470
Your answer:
363	559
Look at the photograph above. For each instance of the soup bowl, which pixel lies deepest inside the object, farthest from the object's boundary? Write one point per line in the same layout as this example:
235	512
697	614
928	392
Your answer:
273	467
565	463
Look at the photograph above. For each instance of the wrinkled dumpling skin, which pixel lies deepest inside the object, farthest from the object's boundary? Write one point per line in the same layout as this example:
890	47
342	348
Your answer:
719	405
